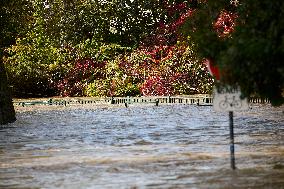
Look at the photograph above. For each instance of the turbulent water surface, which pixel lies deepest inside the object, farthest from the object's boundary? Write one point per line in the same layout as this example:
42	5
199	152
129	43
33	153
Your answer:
169	146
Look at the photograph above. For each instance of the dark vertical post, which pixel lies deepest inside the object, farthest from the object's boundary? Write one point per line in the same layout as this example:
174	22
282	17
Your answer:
157	102
49	101
232	144
7	111
112	100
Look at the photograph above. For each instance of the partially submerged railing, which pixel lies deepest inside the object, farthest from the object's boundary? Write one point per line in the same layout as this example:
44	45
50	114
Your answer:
194	99
201	100
156	100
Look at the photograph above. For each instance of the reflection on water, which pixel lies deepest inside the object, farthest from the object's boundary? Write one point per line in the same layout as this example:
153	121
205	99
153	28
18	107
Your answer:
177	146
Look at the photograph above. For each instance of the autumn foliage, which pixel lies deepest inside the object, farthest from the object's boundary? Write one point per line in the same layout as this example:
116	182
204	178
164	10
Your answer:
85	54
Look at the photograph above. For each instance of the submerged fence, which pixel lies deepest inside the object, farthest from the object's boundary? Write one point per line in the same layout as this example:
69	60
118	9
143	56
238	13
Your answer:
201	100
156	100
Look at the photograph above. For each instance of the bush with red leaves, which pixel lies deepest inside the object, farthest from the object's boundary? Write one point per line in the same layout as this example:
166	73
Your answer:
83	72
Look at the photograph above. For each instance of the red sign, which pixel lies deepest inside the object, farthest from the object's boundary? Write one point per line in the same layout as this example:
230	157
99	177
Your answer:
213	70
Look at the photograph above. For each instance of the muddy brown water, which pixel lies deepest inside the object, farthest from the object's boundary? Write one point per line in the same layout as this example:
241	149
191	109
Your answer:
169	146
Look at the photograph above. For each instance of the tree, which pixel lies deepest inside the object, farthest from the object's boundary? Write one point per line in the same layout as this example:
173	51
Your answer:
7	112
63	33
11	19
120	22
246	41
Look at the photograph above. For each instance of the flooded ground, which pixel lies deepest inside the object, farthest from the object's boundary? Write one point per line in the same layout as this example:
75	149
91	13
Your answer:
169	146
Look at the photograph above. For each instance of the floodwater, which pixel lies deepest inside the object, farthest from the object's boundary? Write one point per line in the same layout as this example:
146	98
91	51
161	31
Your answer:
142	146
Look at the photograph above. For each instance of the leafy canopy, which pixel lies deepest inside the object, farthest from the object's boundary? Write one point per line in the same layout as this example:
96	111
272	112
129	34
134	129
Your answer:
247	45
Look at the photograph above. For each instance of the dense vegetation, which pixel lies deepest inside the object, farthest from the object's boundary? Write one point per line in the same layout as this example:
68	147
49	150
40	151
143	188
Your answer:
133	47
246	42
100	48
10	26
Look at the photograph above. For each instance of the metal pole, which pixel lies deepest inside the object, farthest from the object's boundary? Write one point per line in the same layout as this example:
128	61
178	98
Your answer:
232	145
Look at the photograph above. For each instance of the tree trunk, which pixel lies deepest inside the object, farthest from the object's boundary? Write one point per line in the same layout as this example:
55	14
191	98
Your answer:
7	111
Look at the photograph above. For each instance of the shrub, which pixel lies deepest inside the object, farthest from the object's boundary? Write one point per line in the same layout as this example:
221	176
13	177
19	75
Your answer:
79	76
177	71
31	64
160	70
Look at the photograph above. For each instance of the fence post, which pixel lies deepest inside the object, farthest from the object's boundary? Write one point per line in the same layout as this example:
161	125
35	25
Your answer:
232	144
157	102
